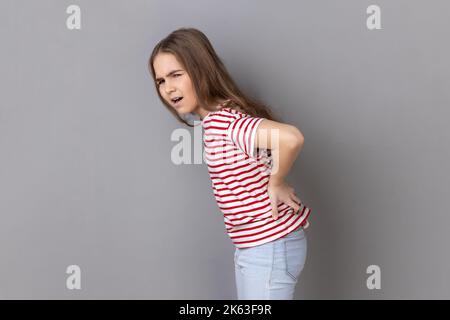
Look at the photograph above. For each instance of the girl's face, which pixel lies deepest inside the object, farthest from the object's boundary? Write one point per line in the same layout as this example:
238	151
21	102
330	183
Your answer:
173	81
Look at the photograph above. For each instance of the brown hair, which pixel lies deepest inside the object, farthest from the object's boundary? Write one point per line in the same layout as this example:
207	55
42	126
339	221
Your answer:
209	76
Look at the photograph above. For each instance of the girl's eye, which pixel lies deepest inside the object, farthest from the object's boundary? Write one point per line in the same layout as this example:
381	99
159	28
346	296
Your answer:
160	81
175	75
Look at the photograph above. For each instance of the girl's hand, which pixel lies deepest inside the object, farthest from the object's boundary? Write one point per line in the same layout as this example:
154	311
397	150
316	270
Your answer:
282	192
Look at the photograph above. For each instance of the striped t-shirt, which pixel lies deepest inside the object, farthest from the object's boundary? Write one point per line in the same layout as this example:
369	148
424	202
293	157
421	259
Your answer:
240	175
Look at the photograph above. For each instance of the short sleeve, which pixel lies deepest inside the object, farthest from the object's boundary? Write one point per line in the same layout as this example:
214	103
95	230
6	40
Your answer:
242	132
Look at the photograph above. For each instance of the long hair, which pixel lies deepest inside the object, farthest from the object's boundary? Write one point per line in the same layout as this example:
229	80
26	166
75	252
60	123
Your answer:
209	76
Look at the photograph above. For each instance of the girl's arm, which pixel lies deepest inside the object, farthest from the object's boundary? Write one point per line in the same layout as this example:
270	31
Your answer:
285	142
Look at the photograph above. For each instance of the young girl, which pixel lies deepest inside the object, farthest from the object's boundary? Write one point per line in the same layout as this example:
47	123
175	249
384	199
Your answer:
243	143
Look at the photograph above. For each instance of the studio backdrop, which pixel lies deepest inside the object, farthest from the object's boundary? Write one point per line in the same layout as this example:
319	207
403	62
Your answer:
89	189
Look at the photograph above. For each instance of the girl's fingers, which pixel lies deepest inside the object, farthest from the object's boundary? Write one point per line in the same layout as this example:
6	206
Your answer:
274	210
294	205
296	199
274	205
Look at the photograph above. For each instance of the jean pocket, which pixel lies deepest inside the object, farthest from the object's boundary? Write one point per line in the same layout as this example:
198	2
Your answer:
295	255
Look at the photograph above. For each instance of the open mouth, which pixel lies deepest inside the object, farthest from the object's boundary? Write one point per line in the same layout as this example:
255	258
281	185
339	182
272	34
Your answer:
176	100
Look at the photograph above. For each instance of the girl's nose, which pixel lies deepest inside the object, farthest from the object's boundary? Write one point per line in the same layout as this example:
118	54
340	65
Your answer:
169	90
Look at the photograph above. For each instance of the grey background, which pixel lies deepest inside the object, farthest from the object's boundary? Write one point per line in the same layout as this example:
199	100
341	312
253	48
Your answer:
85	170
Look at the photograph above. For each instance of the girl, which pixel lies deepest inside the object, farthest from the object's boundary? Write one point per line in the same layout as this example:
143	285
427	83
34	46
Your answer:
243	143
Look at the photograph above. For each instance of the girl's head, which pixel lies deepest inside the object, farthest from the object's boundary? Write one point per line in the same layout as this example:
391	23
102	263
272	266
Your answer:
184	64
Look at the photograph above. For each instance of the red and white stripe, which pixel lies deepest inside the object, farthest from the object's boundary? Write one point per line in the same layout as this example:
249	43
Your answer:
239	180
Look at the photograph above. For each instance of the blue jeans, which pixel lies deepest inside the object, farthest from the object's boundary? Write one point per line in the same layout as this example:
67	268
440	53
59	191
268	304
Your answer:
270	271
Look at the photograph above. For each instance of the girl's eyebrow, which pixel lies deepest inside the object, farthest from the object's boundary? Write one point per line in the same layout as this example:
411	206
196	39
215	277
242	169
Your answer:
171	72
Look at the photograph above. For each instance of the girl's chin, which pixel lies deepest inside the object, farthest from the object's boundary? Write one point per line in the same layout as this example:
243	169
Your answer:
182	111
